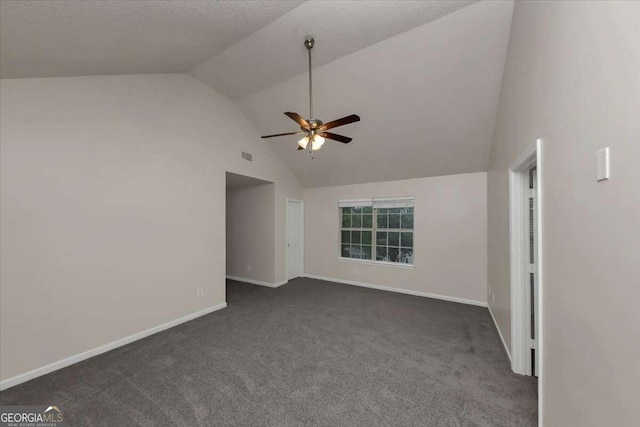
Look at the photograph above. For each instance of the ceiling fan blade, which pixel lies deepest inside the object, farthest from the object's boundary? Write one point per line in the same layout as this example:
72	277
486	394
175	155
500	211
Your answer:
300	148
335	136
298	119
282	134
340	122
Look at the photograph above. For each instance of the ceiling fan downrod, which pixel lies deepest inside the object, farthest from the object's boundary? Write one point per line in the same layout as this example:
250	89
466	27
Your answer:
309	41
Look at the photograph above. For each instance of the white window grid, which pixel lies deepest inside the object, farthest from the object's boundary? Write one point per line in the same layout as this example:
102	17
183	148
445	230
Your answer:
405	258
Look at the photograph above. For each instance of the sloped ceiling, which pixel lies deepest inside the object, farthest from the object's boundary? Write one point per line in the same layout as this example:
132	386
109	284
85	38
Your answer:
427	99
74	38
275	53
423	75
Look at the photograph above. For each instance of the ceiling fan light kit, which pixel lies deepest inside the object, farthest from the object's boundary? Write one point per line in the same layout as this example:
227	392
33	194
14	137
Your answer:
314	130
316	143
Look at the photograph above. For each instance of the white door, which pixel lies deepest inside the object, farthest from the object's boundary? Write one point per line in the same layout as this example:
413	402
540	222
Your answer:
294	238
532	255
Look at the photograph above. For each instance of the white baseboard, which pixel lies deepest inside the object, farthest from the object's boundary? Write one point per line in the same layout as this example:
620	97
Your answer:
43	370
258	282
506	349
398	290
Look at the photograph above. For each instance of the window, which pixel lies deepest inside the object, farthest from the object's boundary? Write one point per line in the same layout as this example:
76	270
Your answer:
377	229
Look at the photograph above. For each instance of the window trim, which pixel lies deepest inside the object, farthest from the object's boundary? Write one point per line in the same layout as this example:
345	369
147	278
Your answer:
378	263
374	230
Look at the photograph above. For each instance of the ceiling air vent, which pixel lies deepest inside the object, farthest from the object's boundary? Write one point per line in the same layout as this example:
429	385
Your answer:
247	156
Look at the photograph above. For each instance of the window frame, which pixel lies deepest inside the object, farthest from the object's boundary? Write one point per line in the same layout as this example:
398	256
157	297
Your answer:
374	230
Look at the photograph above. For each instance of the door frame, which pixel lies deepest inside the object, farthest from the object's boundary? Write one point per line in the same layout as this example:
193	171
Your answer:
520	309
301	235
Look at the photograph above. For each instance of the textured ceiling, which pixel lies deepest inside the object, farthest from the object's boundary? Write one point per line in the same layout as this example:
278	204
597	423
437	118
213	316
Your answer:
423	75
427	99
276	52
73	38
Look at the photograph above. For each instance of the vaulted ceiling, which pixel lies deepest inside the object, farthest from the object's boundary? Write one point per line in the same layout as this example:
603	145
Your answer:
75	38
275	53
423	75
427	99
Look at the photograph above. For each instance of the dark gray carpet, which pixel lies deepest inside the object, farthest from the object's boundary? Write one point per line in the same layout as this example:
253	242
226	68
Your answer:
307	353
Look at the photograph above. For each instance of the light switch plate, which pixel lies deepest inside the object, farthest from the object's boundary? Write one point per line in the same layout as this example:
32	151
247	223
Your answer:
602	164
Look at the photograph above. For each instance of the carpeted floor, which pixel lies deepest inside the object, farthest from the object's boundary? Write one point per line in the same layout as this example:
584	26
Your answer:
307	353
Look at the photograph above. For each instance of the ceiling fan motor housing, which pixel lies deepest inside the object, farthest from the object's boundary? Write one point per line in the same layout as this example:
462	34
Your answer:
314	123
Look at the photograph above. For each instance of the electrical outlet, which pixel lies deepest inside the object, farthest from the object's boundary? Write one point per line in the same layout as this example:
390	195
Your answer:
248	268
493	297
199	293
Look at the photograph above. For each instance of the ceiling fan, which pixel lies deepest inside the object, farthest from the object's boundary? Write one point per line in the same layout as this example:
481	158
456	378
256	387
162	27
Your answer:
314	130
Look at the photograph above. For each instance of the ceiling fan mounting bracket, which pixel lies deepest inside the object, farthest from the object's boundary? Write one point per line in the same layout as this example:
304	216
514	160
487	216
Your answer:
309	41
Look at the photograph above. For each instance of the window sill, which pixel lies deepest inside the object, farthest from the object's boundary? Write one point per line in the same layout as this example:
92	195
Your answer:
378	263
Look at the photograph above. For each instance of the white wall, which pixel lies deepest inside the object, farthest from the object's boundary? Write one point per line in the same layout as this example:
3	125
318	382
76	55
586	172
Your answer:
113	200
450	235
250	222
572	77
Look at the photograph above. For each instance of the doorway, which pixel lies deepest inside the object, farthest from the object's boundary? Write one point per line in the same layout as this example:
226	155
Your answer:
250	230
526	262
295	238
